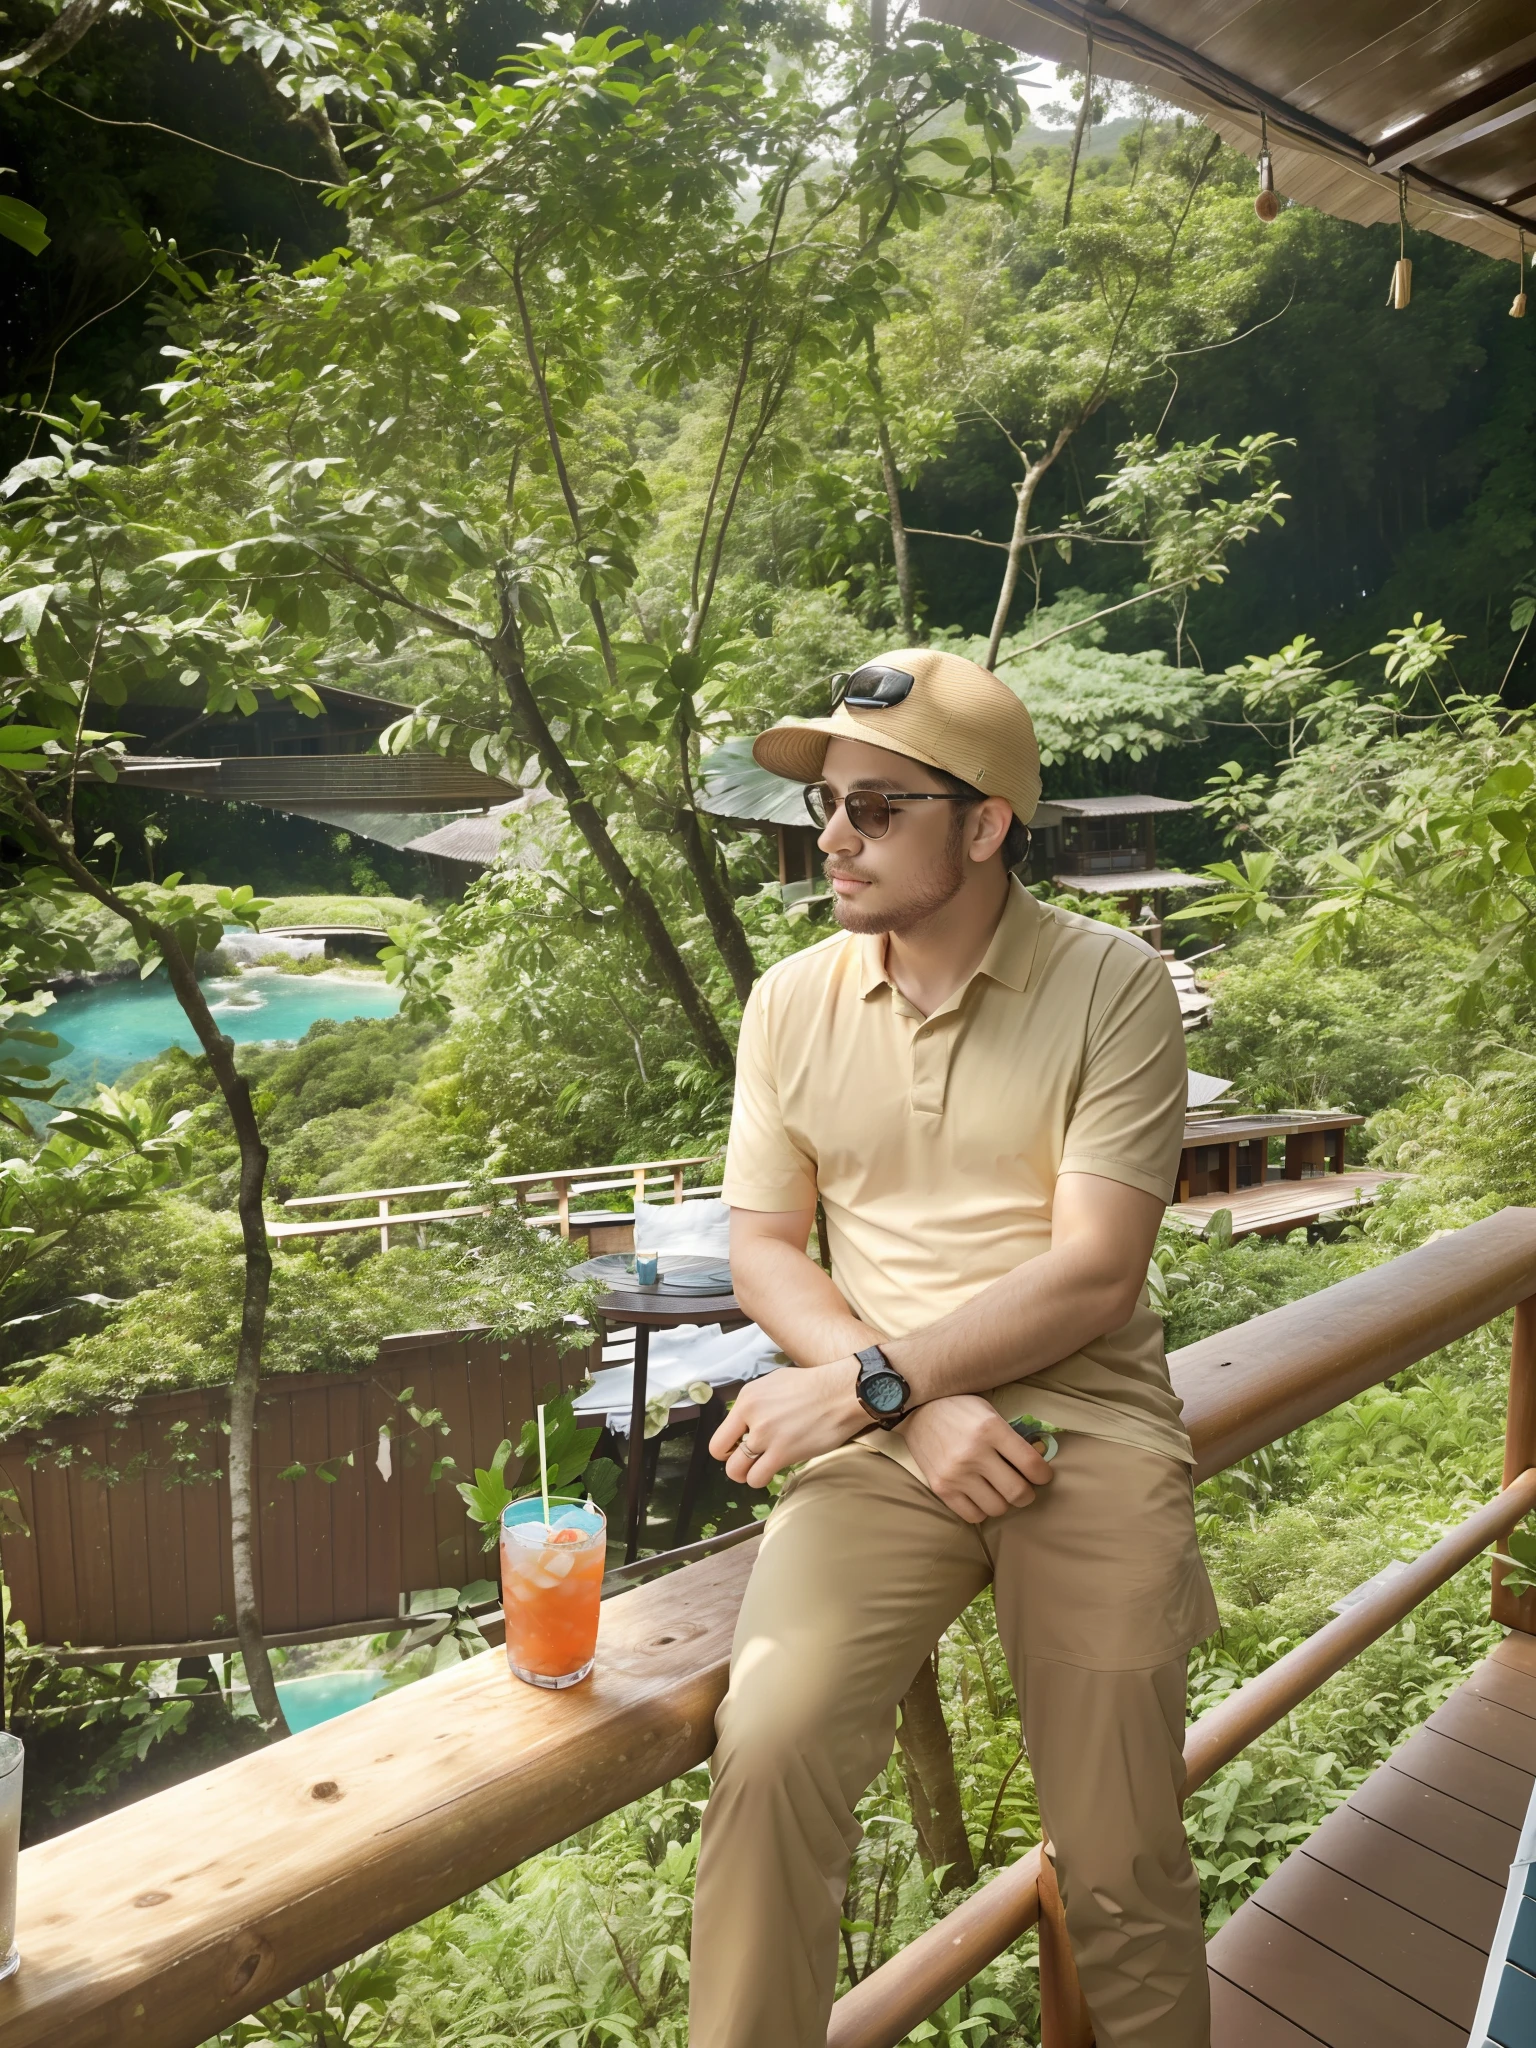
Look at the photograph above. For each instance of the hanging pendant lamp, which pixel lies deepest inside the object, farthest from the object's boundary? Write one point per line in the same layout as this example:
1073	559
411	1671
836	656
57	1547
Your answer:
1402	270
1267	204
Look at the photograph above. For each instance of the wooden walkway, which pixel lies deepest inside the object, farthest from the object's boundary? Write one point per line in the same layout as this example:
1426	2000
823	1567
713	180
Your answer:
1376	1932
1282	1205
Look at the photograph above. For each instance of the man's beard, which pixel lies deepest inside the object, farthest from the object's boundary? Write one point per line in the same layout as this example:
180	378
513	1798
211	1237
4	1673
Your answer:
936	886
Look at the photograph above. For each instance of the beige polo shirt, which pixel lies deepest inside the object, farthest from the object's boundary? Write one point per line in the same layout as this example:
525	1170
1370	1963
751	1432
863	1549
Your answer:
935	1142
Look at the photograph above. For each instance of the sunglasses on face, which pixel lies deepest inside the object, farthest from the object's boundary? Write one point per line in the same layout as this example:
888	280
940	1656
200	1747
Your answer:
868	811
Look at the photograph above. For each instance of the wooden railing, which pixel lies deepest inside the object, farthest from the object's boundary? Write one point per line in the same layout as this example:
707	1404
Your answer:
162	1923
543	1198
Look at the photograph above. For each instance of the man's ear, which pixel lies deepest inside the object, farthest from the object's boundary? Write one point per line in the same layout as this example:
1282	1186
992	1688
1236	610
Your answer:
989	827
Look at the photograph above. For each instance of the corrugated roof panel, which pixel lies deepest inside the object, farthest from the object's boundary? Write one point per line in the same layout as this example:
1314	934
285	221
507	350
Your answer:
1352	93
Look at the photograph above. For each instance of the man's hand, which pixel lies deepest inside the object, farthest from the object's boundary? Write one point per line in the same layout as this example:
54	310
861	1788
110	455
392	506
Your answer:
971	1458
786	1417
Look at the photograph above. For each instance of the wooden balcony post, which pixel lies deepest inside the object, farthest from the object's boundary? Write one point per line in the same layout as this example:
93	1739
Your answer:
383	1223
1519	1611
563	1202
1064	2021
677	1187
639	1185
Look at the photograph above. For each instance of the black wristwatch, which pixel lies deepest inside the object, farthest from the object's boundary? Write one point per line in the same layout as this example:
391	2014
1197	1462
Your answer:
880	1391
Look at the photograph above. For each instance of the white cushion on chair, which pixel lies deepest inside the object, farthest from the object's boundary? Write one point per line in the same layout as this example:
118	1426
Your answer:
702	1228
678	1357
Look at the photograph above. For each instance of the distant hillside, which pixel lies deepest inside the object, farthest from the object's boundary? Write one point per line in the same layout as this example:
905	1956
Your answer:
1102	141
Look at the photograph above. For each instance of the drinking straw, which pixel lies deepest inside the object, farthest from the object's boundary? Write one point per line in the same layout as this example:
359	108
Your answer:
543	1471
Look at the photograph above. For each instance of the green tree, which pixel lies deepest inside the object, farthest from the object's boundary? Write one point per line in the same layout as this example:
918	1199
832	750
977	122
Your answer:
85	613
1402	798
1024	327
444	418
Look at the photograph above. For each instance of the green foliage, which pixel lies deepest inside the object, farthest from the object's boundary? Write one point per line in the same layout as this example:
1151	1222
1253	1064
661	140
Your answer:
568	1451
568	1448
324	1318
1089	702
1316	1037
349	2006
1210	1283
1519	1558
556	1032
1395	802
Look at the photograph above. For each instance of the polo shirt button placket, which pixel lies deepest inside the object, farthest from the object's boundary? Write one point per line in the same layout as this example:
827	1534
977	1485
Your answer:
930	1068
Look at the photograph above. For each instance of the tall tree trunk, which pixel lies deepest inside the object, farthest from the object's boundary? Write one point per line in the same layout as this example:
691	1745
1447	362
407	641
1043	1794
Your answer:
507	656
696	844
1025	494
1084	117
900	551
899	548
718	907
235	1090
927	1754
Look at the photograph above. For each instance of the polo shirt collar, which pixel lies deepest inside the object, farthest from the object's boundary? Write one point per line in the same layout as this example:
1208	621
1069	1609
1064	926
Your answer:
1008	959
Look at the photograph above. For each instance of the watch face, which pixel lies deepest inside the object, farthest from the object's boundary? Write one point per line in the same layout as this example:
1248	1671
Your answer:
884	1392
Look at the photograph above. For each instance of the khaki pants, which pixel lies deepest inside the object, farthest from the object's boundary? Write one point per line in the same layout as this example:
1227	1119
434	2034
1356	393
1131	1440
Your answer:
1100	1593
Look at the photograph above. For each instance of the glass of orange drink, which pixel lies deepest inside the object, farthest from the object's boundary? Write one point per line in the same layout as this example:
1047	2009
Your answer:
551	1584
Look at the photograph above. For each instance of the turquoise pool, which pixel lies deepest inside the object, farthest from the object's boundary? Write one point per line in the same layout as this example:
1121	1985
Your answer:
306	1702
113	1026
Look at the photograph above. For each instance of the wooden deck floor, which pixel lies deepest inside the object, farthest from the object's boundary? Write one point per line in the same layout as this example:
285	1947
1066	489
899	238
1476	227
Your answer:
1376	1932
1282	1205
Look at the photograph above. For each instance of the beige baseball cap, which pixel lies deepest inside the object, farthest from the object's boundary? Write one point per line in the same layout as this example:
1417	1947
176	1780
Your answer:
933	707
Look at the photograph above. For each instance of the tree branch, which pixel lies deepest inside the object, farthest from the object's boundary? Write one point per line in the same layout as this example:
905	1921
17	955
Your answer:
234	1088
557	454
507	658
57	40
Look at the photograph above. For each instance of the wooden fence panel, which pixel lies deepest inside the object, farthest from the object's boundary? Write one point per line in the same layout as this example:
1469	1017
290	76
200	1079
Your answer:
381	1526
208	1568
314	1558
347	1422
279	1503
125	1540
128	1549
55	1554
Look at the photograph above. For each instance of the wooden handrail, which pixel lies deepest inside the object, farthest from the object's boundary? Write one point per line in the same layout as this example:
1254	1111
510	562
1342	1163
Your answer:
390	1219
1227	1730
891	2001
155	1926
557	1186
572	1174
1260	1380
158	1925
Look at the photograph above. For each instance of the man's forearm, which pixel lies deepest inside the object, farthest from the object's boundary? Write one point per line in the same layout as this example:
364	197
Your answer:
1033	1317
787	1294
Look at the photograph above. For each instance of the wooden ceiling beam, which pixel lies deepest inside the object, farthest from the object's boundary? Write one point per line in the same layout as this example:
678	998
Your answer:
1497	104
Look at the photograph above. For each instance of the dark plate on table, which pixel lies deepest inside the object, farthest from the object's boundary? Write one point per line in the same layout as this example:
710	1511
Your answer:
709	1279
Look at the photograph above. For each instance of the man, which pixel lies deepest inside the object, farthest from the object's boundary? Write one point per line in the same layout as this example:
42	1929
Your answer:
987	1096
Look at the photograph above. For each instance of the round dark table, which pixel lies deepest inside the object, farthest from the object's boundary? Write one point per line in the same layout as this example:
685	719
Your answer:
654	1308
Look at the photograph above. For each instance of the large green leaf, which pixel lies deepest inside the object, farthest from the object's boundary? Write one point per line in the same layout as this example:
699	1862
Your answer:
22	223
